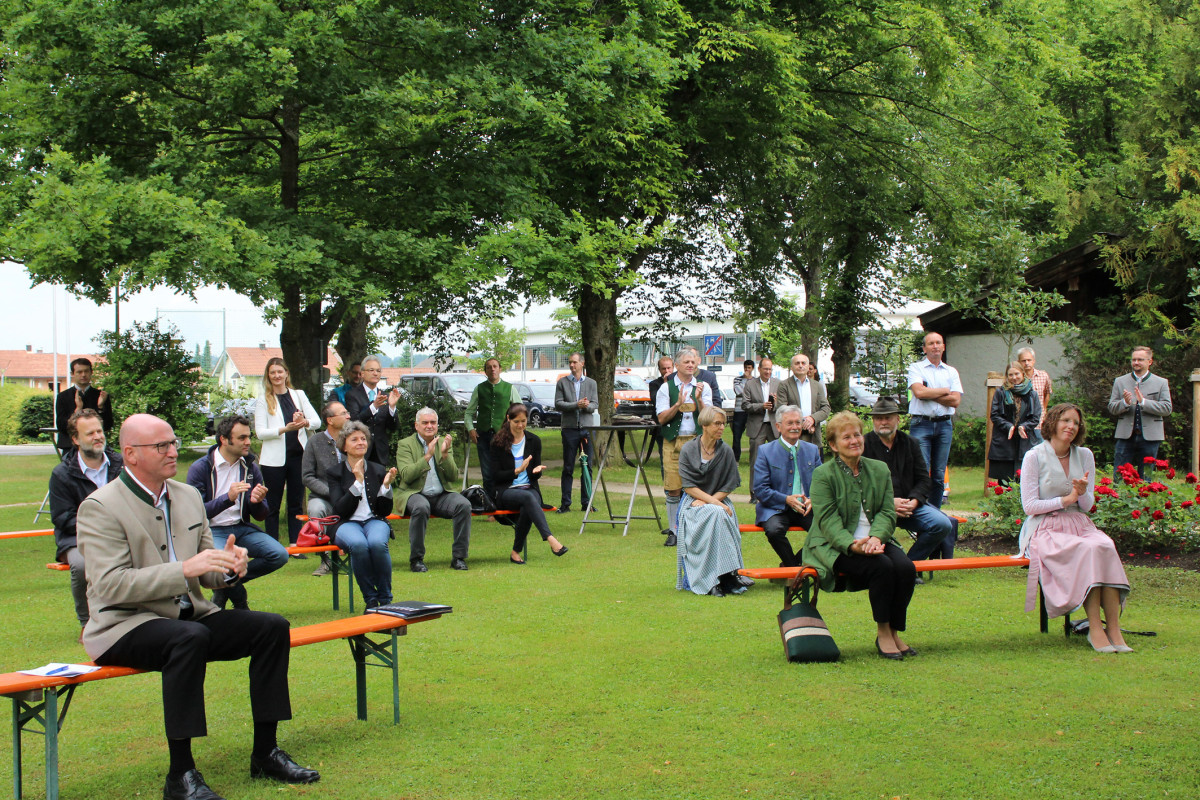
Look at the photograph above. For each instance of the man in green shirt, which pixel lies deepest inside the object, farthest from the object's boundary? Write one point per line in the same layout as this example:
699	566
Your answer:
491	400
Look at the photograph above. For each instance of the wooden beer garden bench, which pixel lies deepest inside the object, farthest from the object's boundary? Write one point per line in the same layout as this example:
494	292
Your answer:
36	699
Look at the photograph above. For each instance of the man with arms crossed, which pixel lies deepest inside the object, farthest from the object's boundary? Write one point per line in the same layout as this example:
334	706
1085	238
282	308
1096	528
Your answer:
426	470
782	480
231	485
491	398
1139	400
321	455
148	551
739	412
936	393
85	468
798	389
934	531
577	397
677	403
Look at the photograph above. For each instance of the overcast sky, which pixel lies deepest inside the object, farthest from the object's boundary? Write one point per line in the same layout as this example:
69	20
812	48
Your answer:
31	314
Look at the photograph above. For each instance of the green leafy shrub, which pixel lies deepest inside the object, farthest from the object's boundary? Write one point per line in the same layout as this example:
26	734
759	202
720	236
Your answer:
37	412
12	399
969	444
1136	513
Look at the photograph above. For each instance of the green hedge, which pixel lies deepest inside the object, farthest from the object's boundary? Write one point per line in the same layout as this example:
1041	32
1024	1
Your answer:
12	398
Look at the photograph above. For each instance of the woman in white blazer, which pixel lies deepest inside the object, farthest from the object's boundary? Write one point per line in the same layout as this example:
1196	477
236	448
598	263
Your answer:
282	418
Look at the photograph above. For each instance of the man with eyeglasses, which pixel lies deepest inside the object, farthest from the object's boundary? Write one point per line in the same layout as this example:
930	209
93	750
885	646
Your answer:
320	456
148	552
231	484
375	407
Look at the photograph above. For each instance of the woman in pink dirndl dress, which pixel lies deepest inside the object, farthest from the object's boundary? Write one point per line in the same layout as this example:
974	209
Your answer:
1076	563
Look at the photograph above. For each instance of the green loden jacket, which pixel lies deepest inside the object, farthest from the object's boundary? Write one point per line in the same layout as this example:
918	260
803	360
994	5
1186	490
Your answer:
836	499
411	469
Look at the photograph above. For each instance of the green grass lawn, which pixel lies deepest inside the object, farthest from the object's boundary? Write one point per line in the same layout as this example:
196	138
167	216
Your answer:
590	676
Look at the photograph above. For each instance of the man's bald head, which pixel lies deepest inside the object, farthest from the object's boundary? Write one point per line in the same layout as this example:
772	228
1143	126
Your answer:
142	436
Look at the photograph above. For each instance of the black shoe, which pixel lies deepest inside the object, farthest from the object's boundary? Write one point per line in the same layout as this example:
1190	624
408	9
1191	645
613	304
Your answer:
280	767
189	786
671	540
299	556
417	566
220	598
716	592
889	656
514	561
562	551
909	651
458	563
563	510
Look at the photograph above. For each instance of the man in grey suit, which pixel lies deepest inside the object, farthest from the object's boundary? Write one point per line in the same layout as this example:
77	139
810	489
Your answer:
798	389
759	402
320	456
1139	401
577	397
148	550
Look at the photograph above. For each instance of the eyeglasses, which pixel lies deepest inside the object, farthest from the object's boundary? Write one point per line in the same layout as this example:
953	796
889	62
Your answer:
163	447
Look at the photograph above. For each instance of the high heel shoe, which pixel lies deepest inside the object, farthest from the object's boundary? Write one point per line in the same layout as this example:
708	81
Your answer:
1106	649
1120	648
890	656
515	561
909	651
562	551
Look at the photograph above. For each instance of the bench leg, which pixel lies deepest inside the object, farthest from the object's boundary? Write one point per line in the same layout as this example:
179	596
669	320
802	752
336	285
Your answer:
385	654
39	707
340	565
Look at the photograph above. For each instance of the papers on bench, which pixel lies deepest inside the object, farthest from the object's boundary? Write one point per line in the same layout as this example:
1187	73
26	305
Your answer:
410	609
60	670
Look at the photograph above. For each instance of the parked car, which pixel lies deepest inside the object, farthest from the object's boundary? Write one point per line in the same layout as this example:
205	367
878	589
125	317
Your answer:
538	397
453	386
631	395
238	405
860	396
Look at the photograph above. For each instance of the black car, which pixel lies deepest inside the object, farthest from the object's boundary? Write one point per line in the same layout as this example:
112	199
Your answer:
539	398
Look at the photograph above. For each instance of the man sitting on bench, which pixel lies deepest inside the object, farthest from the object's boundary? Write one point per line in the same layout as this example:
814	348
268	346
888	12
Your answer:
426	473
148	551
910	483
782	478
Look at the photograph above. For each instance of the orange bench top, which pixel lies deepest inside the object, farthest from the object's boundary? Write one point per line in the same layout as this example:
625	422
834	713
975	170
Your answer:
18	682
757	529
929	565
24	534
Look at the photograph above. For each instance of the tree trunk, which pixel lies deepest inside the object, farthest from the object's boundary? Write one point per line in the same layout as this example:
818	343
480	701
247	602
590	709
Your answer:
598	321
351	343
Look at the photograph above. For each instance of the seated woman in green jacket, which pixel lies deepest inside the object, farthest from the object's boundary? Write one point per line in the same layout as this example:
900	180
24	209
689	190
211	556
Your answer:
854	521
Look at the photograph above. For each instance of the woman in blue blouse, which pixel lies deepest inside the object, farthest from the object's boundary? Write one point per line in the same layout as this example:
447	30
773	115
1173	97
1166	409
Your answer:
516	465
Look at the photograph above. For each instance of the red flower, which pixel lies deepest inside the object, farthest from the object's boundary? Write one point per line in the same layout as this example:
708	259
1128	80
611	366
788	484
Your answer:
1136	514
1186	504
1191	478
1168	504
1171	473
1094	507
1149	460
1018	474
999	490
1158	514
1160	463
985	514
990	484
1106	481
1018	521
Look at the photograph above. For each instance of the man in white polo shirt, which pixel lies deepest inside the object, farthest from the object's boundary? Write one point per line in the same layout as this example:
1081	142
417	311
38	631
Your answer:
936	392
678	402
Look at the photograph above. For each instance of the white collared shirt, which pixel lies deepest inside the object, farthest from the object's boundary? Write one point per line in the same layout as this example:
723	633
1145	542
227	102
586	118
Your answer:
99	475
433	484
227	475
804	394
941	376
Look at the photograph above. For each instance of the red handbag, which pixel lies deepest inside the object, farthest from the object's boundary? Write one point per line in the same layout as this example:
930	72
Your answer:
313	533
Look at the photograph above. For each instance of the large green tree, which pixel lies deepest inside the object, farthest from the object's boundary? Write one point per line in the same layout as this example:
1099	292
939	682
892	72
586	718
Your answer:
319	157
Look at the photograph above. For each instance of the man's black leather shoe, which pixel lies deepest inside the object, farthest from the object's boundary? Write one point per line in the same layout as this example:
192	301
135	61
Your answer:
279	766
458	563
417	566
563	510
189	786
671	540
